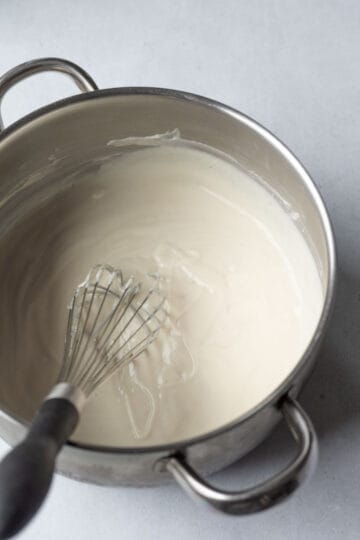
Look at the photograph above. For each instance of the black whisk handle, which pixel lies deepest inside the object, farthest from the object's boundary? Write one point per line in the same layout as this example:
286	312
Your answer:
26	471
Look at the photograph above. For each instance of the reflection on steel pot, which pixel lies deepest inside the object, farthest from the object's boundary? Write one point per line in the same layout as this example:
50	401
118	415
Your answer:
80	128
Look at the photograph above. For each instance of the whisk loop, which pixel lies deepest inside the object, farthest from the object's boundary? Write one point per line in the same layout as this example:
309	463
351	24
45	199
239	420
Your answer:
111	321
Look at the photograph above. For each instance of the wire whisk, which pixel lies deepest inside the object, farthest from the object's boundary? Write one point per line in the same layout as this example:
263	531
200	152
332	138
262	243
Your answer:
111	321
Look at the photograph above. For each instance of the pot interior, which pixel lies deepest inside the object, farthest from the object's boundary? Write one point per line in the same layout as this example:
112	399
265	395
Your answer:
53	204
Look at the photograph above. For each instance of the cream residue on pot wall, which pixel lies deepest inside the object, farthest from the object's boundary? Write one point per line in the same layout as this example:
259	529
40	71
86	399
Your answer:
158	139
243	290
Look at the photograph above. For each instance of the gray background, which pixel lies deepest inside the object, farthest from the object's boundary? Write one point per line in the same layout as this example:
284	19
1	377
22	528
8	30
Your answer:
295	67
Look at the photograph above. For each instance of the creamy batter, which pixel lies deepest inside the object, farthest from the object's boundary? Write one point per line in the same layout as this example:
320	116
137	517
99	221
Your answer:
243	290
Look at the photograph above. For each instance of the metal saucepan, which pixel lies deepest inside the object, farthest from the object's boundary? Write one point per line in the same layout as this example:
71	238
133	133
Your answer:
79	128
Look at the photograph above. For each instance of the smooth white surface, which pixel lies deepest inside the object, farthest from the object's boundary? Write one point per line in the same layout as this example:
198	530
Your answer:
235	269
294	66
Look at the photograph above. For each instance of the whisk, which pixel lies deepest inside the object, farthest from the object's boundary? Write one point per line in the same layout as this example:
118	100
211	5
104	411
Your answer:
111	321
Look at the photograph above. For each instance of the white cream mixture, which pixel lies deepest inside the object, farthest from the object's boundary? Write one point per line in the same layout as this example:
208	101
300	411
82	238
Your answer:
243	290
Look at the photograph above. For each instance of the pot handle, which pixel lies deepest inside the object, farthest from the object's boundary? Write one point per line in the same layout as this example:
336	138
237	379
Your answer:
82	80
267	493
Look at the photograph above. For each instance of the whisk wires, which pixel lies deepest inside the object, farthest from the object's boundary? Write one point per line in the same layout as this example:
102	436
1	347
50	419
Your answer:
111	322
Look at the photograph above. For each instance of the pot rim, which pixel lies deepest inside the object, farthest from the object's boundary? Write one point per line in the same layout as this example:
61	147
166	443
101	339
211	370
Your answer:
285	386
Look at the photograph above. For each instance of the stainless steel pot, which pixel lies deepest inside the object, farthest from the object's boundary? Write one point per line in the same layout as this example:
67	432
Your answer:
77	130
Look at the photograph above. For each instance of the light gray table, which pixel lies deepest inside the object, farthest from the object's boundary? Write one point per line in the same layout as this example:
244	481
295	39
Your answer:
295	67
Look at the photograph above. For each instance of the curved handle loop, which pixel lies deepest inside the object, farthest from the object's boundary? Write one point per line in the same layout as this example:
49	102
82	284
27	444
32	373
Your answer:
267	493
82	80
